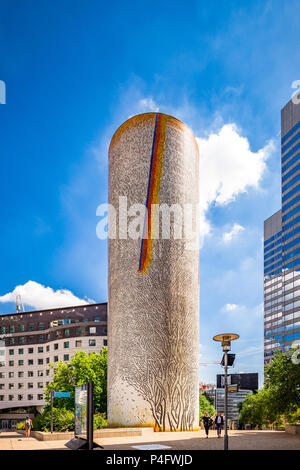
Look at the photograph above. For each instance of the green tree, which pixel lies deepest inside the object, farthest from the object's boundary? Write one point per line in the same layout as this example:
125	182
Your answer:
282	376
279	399
82	368
205	406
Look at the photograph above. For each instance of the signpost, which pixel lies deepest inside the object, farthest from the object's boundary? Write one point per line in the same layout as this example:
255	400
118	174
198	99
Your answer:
56	395
84	414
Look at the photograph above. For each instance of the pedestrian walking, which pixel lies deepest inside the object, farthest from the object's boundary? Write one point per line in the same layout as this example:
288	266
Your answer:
219	421
28	426
207	422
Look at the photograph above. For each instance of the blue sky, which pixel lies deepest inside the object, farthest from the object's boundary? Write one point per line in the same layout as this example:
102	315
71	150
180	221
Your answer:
74	71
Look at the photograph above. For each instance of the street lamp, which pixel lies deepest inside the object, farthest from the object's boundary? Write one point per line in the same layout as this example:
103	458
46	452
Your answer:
226	339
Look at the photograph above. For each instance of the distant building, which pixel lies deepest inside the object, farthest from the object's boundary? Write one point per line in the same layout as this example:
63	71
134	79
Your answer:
30	341
233	401
282	246
245	381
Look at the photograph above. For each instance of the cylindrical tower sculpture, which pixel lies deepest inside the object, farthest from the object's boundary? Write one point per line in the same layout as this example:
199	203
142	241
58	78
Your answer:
153	301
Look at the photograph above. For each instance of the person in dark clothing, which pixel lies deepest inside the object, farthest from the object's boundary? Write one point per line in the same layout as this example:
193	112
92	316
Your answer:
219	421
207	422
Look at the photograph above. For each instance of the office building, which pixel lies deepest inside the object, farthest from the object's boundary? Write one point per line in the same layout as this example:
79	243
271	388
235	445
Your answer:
245	381
30	341
282	246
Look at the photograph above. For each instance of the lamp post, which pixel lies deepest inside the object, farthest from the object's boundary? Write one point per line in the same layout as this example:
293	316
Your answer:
226	339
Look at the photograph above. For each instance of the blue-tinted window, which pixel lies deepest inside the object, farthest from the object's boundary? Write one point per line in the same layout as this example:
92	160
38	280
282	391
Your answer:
290	142
290	153
291	132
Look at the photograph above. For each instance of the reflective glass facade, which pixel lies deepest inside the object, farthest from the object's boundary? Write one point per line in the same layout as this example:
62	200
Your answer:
282	246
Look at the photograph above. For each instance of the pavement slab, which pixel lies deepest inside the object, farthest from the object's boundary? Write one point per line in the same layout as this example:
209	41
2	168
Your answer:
238	440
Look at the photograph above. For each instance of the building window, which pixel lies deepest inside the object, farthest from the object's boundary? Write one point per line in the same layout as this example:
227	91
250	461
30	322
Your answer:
105	342
31	327
20	397
2	375
30	362
21	328
11	352
40	385
67	332
29	397
11	329
40	349
30	339
41	338
40	361
105	331
78	343
55	346
21	362
78	331
10	386
11	363
11	374
66	344
21	351
92	342
21	340
10	397
1	386
55	358
30	373
30	350
3	329
66	357
96	319
40	396
47	372
1	397
11	340
41	326
48	348
21	374
47	360
92	330
20	385
40	373
30	385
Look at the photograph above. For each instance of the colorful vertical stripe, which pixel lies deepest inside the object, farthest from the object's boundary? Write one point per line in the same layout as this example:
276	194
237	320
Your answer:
156	165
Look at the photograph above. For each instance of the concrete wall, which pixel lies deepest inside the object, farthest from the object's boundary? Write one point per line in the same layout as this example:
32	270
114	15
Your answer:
153	317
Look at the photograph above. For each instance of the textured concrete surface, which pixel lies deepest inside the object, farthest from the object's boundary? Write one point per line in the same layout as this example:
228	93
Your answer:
153	318
238	440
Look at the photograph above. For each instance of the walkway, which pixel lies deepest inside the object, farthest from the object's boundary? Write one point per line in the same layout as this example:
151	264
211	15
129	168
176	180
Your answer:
238	440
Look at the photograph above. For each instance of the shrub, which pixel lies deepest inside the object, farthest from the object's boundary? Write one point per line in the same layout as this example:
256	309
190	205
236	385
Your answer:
63	420
20	426
100	421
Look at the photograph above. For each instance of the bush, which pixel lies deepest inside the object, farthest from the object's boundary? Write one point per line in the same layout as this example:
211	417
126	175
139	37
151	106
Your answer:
63	420
100	421
20	426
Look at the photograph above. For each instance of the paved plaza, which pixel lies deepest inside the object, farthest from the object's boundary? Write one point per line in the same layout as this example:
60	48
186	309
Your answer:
238	440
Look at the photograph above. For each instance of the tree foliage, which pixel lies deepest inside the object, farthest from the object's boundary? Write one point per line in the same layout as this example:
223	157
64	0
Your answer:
280	398
82	368
205	406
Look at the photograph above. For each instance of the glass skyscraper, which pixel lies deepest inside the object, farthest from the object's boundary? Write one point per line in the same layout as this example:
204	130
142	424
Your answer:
282	246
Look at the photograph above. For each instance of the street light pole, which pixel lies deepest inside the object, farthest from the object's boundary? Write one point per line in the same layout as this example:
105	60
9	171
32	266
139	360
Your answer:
226	400
226	339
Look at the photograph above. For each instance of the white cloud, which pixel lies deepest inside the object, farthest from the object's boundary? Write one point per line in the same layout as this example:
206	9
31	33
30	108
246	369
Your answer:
236	229
40	297
146	105
230	307
227	168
